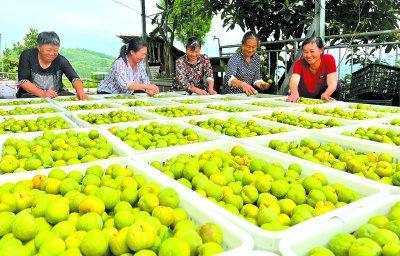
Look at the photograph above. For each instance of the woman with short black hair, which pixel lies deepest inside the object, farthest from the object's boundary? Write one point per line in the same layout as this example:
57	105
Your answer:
244	74
314	75
40	70
194	72
128	72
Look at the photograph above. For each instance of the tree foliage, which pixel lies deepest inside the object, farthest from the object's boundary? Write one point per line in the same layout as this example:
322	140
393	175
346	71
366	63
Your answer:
194	20
180	19
285	19
11	55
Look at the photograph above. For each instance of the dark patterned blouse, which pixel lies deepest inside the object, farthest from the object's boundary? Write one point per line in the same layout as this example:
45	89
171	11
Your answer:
242	70
193	74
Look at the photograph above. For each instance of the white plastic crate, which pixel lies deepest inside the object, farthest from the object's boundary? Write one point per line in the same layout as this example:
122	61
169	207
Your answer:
260	253
210	136
311	117
353	128
275	104
345	142
35	106
334	105
264	240
200	98
170	94
246	108
66	104
229	97
235	242
74	97
301	243
70	123
23	101
242	117
74	115
116	144
204	111
352	105
302	104
152	101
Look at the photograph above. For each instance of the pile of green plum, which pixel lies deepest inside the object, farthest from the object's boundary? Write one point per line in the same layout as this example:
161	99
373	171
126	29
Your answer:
227	108
265	104
116	116
301	121
383	135
341	113
22	102
110	211
264	193
362	106
27	111
374	166
236	128
379	236
53	150
155	135
70	98
12	125
87	106
176	111
189	101
137	103
395	121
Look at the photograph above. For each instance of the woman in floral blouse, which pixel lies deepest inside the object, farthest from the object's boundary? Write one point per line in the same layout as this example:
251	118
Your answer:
128	73
193	70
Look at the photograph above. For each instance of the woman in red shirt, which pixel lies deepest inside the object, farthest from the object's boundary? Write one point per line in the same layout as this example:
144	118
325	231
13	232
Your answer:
314	75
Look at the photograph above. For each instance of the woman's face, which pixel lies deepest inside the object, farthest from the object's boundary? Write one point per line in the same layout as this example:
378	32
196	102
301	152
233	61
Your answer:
249	47
311	53
48	52
139	56
193	54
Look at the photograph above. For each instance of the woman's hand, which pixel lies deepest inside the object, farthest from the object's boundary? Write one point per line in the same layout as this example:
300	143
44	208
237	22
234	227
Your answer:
212	92
327	97
200	91
49	94
151	89
293	97
81	95
248	89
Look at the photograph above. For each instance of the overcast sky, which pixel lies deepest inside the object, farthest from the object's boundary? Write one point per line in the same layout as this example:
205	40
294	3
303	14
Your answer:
90	24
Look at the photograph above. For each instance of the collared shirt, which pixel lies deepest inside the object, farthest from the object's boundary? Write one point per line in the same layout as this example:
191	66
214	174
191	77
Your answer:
310	84
121	76
242	70
192	74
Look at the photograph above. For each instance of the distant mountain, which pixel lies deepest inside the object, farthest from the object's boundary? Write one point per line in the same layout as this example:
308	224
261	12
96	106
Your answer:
85	61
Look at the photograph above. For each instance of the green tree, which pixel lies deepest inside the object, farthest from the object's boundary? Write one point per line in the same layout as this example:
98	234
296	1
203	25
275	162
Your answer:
180	19
11	55
194	19
285	19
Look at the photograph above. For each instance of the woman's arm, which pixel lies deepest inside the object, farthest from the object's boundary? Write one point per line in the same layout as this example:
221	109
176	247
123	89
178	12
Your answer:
331	80
294	88
234	82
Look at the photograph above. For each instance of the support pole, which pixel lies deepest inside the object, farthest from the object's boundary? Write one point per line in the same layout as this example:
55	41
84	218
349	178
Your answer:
144	33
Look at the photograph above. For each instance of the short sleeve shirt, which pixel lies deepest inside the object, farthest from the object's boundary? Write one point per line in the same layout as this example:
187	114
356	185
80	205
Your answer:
192	74
242	70
311	84
29	69
121	75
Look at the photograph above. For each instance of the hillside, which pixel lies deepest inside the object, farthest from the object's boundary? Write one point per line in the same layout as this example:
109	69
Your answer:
85	61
